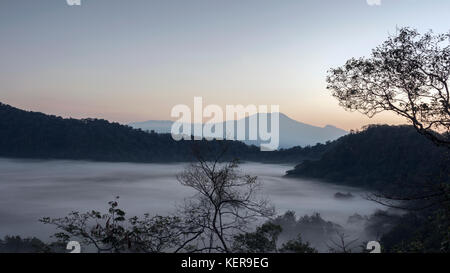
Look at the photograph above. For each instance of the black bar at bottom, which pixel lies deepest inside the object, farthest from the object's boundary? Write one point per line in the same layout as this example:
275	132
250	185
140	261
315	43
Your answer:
225	262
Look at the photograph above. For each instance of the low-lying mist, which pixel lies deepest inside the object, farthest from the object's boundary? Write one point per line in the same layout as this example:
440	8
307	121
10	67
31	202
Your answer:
32	189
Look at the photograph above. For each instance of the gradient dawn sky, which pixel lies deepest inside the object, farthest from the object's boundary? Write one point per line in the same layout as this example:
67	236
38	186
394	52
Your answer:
134	60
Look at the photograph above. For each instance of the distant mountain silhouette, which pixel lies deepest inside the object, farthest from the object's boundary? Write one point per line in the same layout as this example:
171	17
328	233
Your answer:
292	132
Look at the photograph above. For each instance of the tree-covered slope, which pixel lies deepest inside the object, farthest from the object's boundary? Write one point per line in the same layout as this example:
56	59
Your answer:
25	134
378	156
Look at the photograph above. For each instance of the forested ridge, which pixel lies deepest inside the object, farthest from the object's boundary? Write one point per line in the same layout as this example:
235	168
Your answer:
25	134
377	156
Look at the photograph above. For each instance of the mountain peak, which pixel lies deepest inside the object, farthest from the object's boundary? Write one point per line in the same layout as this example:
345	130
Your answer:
292	133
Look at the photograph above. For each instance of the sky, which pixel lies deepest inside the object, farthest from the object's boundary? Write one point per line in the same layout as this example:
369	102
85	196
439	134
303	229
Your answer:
134	60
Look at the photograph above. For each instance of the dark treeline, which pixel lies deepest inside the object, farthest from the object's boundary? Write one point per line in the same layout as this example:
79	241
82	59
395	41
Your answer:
379	156
16	244
405	170
25	134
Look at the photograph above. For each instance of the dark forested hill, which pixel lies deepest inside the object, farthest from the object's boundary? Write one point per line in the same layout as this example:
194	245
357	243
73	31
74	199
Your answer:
378	156
26	134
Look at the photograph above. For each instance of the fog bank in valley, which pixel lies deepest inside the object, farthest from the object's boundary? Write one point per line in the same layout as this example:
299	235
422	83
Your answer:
31	189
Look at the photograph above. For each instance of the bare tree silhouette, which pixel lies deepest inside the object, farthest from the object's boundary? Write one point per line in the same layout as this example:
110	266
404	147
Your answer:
225	202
